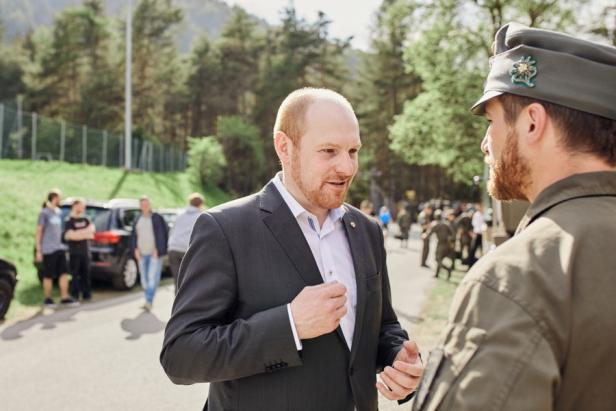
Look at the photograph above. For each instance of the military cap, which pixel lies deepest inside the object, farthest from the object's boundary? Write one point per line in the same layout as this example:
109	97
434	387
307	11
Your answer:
553	67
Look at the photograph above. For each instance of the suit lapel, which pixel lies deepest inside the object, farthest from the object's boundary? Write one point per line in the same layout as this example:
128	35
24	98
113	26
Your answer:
289	235
356	244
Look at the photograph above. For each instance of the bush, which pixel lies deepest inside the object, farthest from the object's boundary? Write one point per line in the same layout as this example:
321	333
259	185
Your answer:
206	160
243	147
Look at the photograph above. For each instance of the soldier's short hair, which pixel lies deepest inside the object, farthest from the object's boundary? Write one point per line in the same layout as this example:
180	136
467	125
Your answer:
579	131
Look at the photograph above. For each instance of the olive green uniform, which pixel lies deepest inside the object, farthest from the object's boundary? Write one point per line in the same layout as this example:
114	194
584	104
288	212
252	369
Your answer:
444	238
533	324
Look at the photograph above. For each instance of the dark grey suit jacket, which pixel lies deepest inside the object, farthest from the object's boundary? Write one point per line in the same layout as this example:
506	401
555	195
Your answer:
230	327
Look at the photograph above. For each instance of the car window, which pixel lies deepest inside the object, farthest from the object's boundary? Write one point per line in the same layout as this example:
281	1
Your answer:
128	217
99	217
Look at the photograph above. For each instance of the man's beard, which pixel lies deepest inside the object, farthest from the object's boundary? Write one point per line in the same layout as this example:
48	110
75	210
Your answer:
509	176
317	196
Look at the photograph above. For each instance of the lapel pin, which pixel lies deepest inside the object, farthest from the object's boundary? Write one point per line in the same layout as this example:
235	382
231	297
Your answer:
353	224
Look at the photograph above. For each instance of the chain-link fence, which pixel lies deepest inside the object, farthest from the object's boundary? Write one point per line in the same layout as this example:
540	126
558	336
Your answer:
26	135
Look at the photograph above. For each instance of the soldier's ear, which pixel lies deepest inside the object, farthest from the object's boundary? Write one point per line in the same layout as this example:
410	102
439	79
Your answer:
533	123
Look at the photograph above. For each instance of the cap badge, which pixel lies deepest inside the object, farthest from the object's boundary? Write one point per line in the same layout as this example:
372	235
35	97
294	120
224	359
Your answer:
524	71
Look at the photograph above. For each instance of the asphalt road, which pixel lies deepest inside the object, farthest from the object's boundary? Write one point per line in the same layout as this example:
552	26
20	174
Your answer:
104	355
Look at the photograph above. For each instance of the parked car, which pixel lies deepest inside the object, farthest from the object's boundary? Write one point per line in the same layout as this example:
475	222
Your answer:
110	248
8	280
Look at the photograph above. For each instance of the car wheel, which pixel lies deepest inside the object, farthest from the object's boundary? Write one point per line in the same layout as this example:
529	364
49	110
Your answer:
127	277
6	294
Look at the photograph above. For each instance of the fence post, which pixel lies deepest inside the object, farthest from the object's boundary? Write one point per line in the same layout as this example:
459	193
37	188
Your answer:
1	128
104	148
84	144
33	136
62	139
20	144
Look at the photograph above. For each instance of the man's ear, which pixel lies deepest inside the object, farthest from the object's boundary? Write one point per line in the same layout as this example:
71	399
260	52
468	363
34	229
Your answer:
282	144
534	122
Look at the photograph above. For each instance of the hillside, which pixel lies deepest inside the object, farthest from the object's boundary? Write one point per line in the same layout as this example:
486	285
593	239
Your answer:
18	17
24	185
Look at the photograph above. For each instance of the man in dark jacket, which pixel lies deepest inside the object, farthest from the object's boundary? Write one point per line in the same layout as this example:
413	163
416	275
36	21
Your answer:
283	297
149	245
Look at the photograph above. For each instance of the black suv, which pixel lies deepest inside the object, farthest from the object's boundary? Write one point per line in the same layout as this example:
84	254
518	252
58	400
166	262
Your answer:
110	248
8	280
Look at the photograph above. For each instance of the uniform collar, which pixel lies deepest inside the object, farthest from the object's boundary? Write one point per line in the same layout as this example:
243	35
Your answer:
602	183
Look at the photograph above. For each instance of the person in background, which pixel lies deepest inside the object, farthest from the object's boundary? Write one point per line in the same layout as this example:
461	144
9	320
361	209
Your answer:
180	234
464	227
444	235
404	222
385	217
478	222
425	219
51	252
78	230
149	245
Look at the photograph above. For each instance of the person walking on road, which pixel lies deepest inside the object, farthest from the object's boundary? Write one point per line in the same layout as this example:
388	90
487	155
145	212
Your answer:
180	233
149	245
78	230
51	253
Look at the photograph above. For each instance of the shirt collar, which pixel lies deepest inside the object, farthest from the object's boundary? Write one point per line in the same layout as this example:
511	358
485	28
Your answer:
296	208
601	183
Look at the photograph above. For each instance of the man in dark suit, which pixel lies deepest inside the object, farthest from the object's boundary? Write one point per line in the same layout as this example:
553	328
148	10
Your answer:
283	298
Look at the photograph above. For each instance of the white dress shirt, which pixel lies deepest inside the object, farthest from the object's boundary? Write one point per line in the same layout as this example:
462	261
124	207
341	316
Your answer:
332	253
478	222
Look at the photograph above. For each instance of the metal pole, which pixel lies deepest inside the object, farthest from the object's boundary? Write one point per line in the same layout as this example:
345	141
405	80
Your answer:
1	127
105	148
128	88
20	143
84	144
121	158
33	136
62	139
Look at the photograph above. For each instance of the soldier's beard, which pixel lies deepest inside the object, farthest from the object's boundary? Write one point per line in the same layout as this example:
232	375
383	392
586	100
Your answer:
509	175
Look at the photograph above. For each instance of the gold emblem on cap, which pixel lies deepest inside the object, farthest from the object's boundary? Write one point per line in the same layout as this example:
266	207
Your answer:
524	71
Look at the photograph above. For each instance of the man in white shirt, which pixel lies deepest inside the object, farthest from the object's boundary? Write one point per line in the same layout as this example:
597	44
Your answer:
478	227
283	297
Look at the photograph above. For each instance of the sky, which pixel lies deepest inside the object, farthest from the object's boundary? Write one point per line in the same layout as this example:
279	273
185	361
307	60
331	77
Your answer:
349	17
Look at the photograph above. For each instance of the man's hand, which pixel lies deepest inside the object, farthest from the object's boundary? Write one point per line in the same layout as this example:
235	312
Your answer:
317	310
137	255
39	257
155	254
403	378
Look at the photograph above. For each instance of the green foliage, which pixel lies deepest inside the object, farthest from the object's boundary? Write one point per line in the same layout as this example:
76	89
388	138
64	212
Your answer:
384	86
450	56
206	161
244	152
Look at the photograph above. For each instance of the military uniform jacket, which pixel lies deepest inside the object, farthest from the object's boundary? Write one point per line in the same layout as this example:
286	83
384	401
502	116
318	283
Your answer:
533	324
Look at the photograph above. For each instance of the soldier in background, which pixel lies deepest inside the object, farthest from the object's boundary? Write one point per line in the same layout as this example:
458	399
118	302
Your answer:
444	236
425	220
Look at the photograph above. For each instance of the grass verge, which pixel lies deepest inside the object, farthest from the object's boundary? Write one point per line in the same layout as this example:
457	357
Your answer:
24	185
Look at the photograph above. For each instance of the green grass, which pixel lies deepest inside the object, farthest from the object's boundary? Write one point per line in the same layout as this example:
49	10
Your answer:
24	185
436	309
